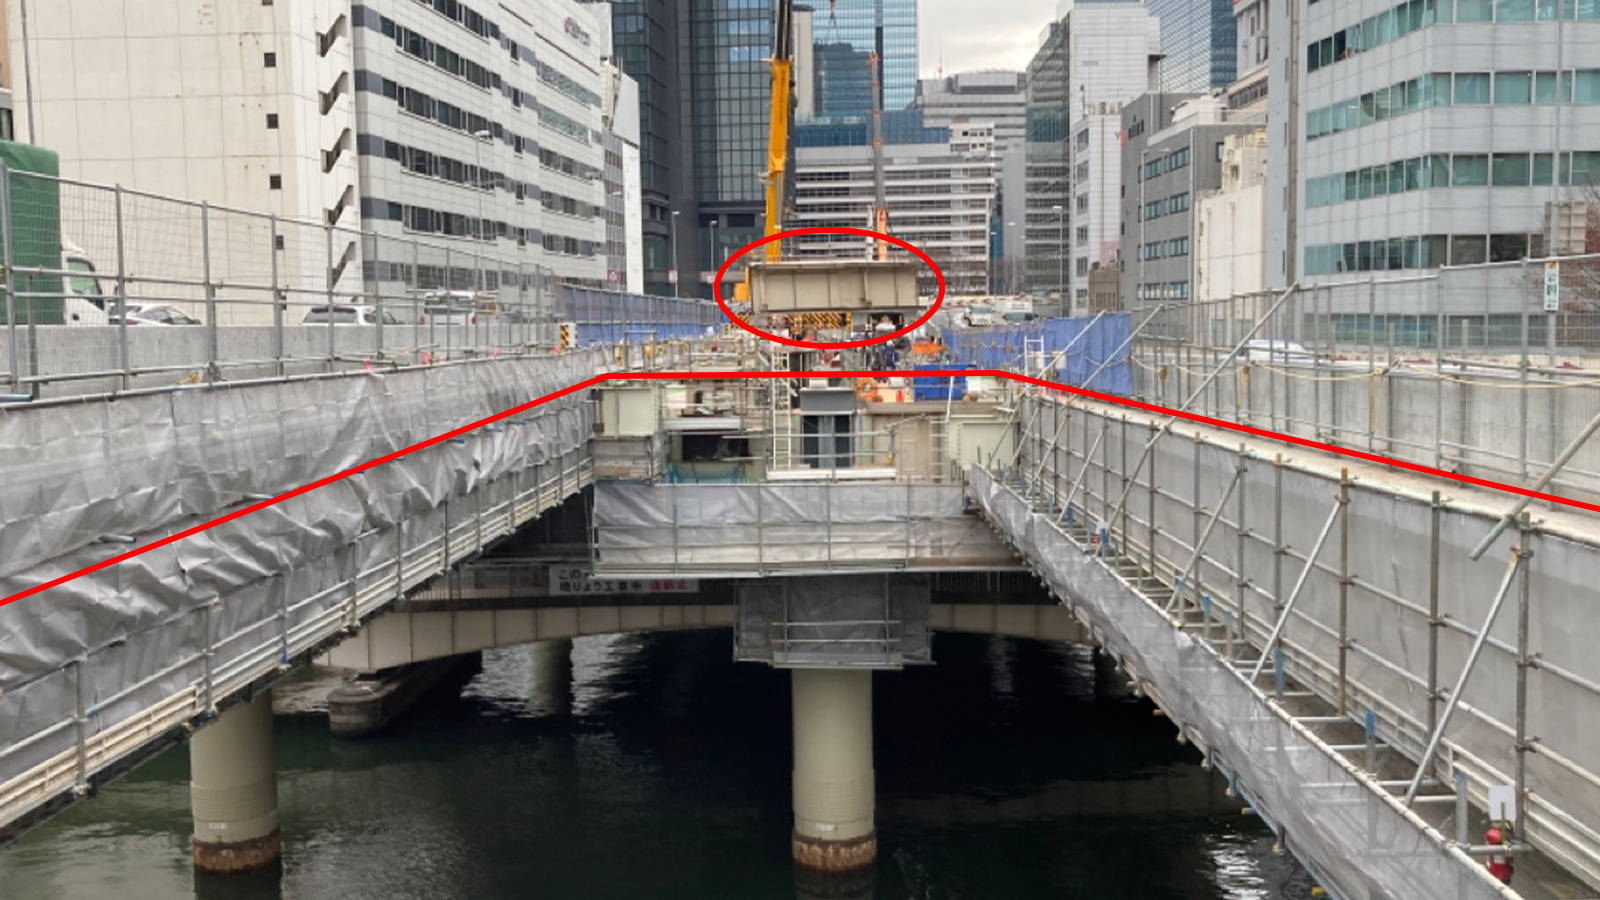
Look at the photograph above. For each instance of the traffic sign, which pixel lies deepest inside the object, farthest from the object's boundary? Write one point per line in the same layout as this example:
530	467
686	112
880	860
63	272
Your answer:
612	276
672	276
1552	286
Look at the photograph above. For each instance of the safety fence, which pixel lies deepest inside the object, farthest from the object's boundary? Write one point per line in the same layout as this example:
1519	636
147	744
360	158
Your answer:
108	289
1498	395
1090	353
760	529
99	671
1393	661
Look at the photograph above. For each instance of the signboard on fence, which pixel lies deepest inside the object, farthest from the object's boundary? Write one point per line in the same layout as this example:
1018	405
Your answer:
576	580
1552	286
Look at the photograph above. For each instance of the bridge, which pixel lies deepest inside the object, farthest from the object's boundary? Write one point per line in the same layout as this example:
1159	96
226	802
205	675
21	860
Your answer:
1318	566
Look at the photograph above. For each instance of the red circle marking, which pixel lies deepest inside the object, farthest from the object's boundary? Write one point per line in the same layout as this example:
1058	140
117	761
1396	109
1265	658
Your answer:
716	288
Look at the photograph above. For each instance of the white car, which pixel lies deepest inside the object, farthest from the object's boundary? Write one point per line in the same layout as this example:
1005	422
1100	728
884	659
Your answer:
1275	351
348	314
152	314
84	303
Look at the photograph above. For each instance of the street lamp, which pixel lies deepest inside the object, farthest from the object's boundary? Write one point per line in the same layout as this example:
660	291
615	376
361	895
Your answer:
674	261
1061	257
479	138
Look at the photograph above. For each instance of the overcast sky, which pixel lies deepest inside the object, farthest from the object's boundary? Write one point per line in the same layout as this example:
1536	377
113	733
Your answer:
980	34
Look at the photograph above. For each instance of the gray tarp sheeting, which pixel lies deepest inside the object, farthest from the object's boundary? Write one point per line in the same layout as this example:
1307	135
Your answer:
152	465
766	527
1357	842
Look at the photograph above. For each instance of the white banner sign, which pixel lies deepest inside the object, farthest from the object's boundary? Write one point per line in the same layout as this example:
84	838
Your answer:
571	580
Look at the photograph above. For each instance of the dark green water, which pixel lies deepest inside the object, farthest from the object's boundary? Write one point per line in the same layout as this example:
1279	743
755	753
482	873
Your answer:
1011	769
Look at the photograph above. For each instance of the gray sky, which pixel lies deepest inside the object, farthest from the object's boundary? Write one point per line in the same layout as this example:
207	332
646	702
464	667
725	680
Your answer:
980	34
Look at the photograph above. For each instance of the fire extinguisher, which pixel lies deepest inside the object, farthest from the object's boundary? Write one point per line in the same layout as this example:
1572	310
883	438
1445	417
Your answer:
1499	863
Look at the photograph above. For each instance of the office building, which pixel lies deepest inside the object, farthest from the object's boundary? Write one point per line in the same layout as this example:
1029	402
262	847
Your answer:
1172	154
940	185
475	128
650	38
1417	135
997	99
1099	56
845	34
1198	45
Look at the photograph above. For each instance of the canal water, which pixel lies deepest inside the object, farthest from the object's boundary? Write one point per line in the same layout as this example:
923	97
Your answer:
1011	769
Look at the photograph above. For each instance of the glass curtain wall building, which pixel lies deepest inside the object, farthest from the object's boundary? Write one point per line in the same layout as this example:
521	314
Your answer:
730	85
1046	205
1198	40
845	34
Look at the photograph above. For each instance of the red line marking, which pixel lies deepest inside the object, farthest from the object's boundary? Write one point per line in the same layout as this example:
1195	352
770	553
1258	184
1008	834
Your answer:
673	376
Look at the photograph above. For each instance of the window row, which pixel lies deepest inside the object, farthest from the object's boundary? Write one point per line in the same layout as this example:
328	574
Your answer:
1454	89
1458	170
569	206
567	125
562	82
1426	252
570	246
566	165
1170	290
1413	15
1155	209
1171	162
465	16
1164	249
439	56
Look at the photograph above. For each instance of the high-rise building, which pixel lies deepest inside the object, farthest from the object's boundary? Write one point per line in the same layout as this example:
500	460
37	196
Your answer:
1044	207
473	126
845	33
939	182
1409	136
1098	57
997	99
651	39
729	98
1172	155
1197	44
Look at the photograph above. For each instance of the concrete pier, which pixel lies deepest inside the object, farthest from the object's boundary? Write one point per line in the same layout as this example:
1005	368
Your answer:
369	704
233	790
834	791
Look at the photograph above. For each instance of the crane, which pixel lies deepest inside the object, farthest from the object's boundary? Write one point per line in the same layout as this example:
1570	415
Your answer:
778	131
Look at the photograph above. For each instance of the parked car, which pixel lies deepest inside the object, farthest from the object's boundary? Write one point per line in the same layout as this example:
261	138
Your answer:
451	307
348	314
84	303
151	314
1276	351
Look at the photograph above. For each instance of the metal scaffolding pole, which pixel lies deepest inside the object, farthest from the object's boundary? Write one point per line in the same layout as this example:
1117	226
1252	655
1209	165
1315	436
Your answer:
1200	545
1449	710
1294	593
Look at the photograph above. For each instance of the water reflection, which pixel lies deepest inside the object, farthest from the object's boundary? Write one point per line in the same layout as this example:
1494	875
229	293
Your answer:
654	767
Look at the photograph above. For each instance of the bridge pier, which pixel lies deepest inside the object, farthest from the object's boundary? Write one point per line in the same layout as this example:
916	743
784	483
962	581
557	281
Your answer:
834	795
233	790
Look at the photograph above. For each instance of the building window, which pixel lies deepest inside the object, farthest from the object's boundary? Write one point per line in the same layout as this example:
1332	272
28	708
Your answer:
1513	88
270	60
1511	170
1470	170
272	120
275	182
1472	88
1468	249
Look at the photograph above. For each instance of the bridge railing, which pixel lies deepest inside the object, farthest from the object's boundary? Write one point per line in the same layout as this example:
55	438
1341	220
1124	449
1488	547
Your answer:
264	296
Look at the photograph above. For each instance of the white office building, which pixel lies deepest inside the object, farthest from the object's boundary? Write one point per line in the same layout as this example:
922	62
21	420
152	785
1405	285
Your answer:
468	124
940	197
1412	135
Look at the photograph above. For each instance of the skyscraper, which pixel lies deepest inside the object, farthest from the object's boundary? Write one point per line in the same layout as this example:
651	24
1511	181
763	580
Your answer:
1197	40
845	32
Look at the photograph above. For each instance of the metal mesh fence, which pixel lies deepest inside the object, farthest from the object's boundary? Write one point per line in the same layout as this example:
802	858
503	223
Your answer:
161	290
1464	369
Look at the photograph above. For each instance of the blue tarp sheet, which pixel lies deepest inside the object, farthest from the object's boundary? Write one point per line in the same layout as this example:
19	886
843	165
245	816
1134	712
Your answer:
1002	347
612	317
